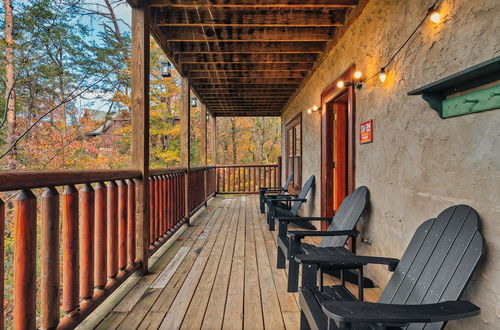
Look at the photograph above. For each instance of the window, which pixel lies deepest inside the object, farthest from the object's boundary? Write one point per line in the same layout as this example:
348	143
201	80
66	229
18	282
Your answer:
294	150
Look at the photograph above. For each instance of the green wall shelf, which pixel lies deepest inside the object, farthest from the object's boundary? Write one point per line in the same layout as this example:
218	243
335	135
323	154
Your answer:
437	93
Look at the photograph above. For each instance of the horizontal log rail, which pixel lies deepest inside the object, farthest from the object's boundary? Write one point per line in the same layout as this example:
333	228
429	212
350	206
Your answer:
18	180
246	179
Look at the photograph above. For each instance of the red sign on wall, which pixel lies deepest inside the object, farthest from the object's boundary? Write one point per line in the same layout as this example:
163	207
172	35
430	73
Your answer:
366	132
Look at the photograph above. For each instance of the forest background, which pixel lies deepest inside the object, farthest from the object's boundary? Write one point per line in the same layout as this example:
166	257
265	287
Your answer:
65	67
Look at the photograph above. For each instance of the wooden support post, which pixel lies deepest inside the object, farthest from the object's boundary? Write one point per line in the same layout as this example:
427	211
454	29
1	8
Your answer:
213	140
204	149
140	125
185	139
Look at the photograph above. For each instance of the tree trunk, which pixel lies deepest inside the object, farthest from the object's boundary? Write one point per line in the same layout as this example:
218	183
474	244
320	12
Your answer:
10	93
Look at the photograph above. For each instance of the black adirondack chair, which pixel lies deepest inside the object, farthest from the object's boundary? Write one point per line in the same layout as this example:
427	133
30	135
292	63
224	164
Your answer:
288	205
264	193
423	292
341	227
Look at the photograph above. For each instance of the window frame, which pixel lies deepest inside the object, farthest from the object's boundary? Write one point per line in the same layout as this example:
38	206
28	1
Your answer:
291	127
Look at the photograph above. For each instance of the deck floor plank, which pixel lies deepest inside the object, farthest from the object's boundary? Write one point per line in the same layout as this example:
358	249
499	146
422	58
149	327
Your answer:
220	272
214	314
252	301
196	311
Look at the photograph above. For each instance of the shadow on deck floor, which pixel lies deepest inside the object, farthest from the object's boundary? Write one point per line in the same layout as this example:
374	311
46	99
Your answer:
218	273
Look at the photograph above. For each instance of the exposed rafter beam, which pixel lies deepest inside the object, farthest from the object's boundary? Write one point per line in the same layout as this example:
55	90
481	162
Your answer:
248	18
201	75
243	98
227	67
245	58
249	80
248	114
298	4
243	85
198	34
301	47
245	91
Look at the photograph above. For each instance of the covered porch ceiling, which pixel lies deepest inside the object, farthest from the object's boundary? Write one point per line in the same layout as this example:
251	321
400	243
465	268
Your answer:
246	57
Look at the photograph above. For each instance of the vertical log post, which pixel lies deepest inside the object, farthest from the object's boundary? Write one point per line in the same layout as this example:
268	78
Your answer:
140	125
100	237
122	224
25	261
112	230
49	236
185	140
203	149
70	291
87	198
131	211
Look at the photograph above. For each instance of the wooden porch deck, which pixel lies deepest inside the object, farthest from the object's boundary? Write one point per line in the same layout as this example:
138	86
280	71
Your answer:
218	273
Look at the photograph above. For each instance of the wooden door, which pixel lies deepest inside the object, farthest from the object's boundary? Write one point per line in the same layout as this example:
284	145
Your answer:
340	155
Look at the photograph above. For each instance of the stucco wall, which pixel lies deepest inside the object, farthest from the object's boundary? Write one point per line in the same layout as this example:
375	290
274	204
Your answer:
418	163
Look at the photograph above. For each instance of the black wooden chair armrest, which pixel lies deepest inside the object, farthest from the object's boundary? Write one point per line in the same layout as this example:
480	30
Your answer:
272	188
345	261
282	198
299	234
390	314
293	219
274	196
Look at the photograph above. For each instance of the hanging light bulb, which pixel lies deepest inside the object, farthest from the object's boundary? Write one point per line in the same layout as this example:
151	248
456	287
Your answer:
309	111
383	75
435	17
357	75
315	108
340	84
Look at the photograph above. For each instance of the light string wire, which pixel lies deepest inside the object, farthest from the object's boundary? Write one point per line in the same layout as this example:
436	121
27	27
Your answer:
429	11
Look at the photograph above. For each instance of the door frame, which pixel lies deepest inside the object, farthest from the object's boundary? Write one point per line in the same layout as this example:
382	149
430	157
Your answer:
328	95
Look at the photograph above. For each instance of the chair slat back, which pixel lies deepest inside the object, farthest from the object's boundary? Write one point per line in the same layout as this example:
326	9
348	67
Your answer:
438	262
303	193
347	216
287	183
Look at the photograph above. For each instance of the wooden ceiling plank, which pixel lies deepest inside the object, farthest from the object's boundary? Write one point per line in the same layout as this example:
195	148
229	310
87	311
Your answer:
298	4
244	85
249	74
248	67
248	18
245	58
228	34
288	47
249	80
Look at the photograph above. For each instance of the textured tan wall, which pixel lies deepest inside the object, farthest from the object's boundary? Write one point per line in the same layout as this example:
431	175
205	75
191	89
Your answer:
418	164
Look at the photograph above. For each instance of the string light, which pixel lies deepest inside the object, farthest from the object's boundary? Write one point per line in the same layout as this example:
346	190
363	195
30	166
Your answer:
435	17
340	84
357	75
309	111
382	75
315	108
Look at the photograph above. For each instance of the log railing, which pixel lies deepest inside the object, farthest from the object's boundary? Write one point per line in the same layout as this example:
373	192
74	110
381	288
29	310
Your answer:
88	221
89	216
197	193
166	204
246	179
